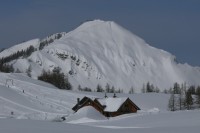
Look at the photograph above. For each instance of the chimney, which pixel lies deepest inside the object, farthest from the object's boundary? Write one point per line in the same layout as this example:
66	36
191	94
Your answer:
106	96
78	100
114	95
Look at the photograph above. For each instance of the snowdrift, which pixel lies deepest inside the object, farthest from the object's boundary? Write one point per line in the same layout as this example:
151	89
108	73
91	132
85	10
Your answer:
85	114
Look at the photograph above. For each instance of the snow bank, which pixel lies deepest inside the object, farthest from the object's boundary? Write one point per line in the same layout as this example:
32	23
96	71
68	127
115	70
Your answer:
85	114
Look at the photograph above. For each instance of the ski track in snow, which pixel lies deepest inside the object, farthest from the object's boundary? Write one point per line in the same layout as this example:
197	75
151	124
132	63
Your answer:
31	109
153	118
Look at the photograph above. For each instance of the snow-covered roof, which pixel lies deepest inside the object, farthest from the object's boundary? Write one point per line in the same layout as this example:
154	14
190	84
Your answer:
112	104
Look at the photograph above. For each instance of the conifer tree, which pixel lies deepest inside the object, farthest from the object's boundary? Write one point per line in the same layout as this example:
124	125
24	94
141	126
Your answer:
29	70
112	90
107	88
79	88
99	88
143	90
181	97
171	104
188	100
132	90
198	96
148	87
192	89
17	71
176	88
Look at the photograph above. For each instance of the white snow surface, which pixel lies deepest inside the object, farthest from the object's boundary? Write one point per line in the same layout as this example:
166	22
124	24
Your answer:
101	52
107	53
19	47
112	104
41	106
86	114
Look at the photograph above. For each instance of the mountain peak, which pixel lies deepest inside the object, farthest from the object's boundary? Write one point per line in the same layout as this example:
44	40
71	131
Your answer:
101	52
94	23
105	31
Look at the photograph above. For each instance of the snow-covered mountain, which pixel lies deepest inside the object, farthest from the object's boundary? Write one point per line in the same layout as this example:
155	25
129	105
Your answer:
19	47
101	52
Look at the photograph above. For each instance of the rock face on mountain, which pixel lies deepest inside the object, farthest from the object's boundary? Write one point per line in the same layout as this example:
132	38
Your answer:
101	52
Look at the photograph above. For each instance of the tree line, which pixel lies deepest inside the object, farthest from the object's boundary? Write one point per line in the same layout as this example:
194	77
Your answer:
5	67
148	88
99	88
47	42
182	98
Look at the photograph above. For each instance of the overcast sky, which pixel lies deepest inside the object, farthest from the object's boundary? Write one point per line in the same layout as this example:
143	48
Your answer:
172	25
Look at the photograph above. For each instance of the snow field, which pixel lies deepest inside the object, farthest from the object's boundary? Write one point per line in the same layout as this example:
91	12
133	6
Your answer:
41	105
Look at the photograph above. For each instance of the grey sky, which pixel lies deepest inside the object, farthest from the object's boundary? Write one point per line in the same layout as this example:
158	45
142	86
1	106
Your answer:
172	25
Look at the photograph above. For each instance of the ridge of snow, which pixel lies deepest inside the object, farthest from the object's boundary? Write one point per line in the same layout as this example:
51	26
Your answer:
19	47
53	36
87	113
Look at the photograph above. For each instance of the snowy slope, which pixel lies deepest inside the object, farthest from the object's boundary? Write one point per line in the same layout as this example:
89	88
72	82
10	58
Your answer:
100	52
33	99
19	47
38	101
182	125
45	103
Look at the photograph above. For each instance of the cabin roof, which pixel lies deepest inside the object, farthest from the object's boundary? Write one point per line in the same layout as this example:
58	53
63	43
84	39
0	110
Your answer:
81	103
111	104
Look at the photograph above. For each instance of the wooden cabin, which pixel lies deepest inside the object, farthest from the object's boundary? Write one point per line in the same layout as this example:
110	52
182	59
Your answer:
117	106
86	101
109	107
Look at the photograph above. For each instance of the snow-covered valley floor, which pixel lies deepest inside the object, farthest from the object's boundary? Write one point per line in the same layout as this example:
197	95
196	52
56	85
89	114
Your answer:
29	106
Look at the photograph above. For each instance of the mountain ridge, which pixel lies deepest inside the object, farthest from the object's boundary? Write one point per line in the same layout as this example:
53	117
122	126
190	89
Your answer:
101	52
